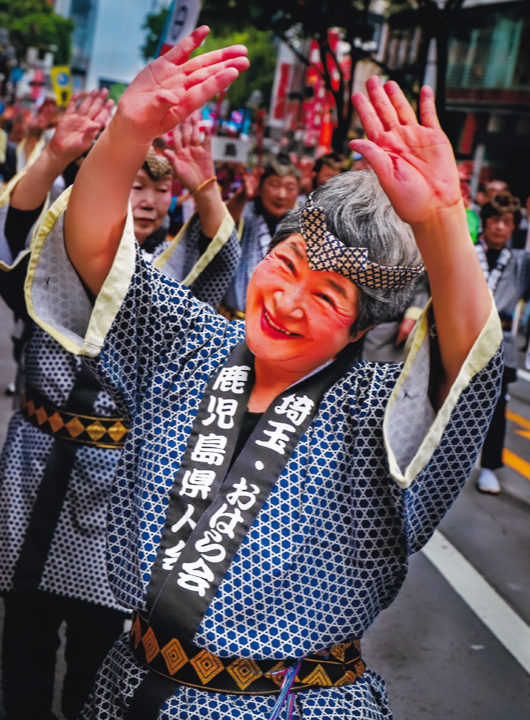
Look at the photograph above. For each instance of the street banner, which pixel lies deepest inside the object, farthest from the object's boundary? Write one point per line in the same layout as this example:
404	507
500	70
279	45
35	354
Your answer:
181	21
282	85
62	84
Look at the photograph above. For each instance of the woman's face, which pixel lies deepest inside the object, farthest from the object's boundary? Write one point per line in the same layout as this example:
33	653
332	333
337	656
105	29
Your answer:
295	316
498	230
150	201
279	194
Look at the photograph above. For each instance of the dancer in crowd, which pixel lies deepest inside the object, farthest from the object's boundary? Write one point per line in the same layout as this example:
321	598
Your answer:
507	273
54	488
257	209
326	167
263	512
61	451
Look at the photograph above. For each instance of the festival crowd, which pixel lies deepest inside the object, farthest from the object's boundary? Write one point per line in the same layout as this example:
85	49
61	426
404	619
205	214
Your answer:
238	410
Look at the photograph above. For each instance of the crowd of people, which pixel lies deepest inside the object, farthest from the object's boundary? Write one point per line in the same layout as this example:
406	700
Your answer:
220	435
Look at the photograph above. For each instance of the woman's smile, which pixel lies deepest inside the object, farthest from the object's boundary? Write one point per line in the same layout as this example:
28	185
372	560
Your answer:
273	329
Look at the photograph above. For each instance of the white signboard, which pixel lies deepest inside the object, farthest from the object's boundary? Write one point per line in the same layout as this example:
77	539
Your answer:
225	149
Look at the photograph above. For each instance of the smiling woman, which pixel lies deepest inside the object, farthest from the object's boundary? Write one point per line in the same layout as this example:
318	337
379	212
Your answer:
271	488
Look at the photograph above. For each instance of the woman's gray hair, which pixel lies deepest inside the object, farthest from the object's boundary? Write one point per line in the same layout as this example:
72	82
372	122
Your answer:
359	214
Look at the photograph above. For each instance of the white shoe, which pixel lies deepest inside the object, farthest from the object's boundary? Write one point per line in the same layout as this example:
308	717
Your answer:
487	482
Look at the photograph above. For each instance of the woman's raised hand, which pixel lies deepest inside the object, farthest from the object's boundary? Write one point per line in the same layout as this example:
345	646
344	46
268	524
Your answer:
172	87
414	163
80	125
191	156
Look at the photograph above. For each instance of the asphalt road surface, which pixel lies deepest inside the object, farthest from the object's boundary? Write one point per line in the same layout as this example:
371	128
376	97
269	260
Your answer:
455	645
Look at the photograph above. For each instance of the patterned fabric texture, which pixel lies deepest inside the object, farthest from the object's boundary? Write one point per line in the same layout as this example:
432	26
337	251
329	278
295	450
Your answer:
326	252
75	566
214	278
253	251
327	552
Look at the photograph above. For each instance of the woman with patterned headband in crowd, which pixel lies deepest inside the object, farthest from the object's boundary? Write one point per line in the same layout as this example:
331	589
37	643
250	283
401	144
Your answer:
271	488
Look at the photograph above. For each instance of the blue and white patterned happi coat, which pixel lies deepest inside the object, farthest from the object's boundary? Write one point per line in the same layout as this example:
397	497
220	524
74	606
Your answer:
329	549
75	564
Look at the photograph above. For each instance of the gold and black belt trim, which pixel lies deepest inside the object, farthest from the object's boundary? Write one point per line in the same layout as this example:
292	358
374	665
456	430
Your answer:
95	430
189	665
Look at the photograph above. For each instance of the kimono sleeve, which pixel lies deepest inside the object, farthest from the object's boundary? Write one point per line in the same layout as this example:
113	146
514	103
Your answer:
9	258
430	454
207	274
138	317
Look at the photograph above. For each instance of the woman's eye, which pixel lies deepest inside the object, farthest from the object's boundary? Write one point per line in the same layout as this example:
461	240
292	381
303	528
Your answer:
288	263
326	298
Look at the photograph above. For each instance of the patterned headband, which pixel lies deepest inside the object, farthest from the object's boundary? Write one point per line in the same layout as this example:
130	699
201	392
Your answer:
156	166
326	252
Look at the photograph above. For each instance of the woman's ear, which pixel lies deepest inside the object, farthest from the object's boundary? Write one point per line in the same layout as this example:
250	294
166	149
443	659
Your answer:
358	335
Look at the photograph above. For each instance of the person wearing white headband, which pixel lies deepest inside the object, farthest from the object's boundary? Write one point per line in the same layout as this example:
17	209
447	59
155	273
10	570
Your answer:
272	487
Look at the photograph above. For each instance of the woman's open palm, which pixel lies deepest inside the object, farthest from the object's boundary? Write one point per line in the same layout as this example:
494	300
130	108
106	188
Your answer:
191	157
414	163
80	125
172	87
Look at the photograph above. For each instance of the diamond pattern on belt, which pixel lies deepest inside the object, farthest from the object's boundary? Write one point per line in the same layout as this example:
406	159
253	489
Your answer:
244	672
206	665
150	645
97	431
174	656
318	677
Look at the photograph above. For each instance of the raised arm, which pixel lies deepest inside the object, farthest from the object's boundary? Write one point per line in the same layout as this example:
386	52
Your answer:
75	133
160	97
417	170
192	162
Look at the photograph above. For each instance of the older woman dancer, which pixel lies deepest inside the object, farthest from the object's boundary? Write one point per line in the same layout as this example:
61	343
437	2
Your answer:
271	490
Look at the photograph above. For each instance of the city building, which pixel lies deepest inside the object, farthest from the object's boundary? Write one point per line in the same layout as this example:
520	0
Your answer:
107	39
487	94
488	91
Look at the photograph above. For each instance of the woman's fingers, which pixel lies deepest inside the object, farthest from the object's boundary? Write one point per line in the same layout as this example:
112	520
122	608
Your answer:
378	158
172	157
185	129
404	111
181	52
371	123
85	106
202	90
207	142
177	139
428	115
381	103
202	74
103	117
195	132
97	103
234	52
70	110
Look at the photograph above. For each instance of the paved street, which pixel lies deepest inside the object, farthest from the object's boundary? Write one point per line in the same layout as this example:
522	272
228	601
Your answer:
432	645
